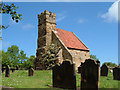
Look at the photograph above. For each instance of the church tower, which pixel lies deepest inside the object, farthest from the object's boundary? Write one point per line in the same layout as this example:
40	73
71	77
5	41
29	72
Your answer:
46	23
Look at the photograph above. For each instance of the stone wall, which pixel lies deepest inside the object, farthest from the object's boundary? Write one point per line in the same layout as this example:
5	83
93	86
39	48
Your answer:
76	56
65	52
79	56
46	23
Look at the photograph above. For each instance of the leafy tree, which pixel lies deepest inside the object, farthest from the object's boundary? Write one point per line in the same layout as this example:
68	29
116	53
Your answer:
50	58
94	57
13	57
5	59
30	62
11	10
110	64
22	57
13	53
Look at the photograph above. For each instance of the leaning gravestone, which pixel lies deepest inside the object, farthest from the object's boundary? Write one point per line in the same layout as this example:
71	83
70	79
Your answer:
116	73
90	74
3	69
17	67
31	72
104	70
64	76
7	73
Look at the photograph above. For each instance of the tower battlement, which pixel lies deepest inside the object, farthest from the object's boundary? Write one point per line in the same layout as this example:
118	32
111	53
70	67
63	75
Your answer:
47	17
47	13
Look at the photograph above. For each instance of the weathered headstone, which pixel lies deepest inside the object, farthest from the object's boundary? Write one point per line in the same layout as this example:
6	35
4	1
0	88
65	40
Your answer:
3	69
90	74
31	72
7	73
79	68
17	67
13	69
104	70
64	76
116	73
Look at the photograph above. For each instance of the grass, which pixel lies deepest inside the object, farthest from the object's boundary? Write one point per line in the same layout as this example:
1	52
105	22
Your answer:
108	82
19	79
43	79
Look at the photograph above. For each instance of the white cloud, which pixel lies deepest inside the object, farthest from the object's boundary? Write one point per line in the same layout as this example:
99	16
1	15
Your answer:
81	20
27	26
112	14
60	18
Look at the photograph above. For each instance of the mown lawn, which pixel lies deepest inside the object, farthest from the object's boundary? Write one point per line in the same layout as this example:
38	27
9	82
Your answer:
43	79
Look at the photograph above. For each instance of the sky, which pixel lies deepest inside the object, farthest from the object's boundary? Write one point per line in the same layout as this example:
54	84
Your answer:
95	23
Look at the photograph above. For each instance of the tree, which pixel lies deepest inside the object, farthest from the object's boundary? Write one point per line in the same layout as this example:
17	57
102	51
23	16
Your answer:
110	64
13	57
11	10
13	53
94	57
30	62
22	57
5	59
50	58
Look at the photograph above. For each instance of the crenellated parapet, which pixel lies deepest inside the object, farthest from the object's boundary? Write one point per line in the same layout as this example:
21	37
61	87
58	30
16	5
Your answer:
48	17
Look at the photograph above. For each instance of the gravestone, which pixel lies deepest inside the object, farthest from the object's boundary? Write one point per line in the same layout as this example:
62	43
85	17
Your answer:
7	73
64	76
13	69
90	74
3	69
31	72
116	73
17	67
104	70
79	68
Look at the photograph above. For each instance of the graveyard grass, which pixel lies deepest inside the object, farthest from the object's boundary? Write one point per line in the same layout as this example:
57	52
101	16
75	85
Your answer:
43	79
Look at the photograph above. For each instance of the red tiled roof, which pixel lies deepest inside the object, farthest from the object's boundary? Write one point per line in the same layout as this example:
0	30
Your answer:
70	40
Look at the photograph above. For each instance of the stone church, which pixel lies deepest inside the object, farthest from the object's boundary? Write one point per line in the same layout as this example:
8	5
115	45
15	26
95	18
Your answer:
72	47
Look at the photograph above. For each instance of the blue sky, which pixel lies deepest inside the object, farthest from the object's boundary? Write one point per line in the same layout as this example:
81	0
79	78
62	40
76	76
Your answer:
90	21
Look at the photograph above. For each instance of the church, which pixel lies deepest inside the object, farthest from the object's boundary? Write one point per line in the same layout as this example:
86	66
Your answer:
72	47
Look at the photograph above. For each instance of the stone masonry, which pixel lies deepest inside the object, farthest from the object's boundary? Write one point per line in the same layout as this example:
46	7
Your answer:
46	23
47	34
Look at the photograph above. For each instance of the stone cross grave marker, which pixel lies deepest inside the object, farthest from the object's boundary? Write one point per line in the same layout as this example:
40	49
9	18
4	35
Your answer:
116	73
64	76
7	73
31	72
104	70
90	74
